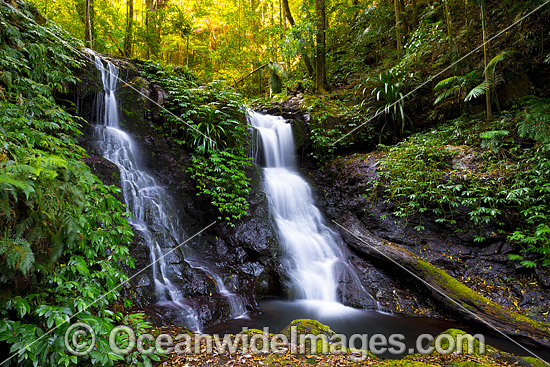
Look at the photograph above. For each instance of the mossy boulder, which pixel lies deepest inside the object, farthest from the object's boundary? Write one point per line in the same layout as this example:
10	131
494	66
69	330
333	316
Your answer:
460	342
304	332
307	326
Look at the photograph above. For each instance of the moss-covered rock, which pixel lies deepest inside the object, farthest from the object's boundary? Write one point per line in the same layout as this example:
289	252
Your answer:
459	342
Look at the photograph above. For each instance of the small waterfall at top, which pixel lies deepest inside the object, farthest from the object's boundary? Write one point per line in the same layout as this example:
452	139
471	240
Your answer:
314	259
153	215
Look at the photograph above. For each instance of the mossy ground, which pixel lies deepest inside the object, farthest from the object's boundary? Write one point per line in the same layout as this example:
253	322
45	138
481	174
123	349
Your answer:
492	357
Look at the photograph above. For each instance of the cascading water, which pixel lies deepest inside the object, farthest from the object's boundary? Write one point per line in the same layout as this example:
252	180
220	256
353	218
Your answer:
314	259
152	213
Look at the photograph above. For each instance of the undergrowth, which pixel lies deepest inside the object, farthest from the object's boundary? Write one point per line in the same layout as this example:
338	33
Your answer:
498	173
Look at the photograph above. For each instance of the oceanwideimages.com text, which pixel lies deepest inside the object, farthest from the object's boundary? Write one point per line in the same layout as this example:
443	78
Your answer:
80	340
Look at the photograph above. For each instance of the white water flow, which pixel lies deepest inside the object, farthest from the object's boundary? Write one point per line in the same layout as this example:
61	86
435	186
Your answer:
151	206
314	259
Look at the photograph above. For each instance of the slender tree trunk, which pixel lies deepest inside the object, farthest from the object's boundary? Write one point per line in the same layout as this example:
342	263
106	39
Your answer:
320	76
89	28
149	8
403	18
288	15
128	38
452	44
415	13
466	12
397	31
239	26
449	21
187	52
485	55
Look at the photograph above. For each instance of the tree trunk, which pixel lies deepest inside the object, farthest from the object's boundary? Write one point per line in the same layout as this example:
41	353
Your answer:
466	13
459	299
403	17
397	25
414	13
320	76
485	55
452	44
187	52
449	21
288	14
128	37
148	10
151	28
89	28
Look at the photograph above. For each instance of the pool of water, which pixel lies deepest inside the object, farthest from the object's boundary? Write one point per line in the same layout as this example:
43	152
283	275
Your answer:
349	321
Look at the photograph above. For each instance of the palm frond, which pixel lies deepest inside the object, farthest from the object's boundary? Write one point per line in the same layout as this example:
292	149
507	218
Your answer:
447	83
491	66
453	92
477	91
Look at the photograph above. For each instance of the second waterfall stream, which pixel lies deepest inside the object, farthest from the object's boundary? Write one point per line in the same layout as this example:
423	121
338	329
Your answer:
314	258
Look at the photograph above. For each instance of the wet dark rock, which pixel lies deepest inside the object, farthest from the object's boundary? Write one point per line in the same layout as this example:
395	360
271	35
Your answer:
268	285
140	289
106	170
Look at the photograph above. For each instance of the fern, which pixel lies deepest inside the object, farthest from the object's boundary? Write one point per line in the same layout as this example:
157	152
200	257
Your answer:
536	124
492	139
17	254
275	79
456	86
52	209
476	92
492	79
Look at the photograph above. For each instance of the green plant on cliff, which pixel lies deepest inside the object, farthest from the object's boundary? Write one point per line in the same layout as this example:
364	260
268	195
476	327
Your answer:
210	121
63	236
388	92
536	124
221	175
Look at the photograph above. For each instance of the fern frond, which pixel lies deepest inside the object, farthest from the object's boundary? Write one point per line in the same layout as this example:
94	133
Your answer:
491	66
536	124
446	94
446	83
18	254
476	92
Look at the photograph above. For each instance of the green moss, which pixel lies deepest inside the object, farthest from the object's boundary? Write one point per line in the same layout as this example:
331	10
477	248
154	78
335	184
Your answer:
408	363
306	331
458	289
476	347
472	300
307	326
254	332
534	362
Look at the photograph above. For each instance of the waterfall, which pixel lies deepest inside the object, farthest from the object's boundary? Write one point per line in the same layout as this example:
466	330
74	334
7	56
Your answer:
153	214
313	255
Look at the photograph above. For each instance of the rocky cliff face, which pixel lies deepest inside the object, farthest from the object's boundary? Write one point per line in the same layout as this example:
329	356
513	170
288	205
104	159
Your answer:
242	255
